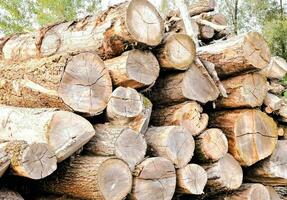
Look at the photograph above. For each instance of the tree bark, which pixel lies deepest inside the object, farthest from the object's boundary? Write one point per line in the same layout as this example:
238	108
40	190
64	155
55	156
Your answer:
107	34
65	132
172	142
95	178
177	51
135	68
191	179
118	141
34	161
177	88
211	145
9	194
248	192
154	179
188	114
78	83
277	68
273	170
124	105
251	134
225	174
238	54
244	91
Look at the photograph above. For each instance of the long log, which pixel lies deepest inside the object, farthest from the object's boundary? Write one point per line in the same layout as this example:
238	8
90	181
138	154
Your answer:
10	194
211	145
154	179
177	51
225	174
188	114
272	170
248	192
124	105
277	68
247	90
34	161
118	141
172	142
65	132
91	178
177	88
242	53
107	34
135	69
78	83
191	179
251	134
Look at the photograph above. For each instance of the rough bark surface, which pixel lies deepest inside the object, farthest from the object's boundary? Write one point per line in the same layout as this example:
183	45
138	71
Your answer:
225	174
188	114
238	54
191	179
135	69
95	178
154	179
65	132
70	82
172	142
118	141
251	134
211	145
247	90
176	88
107	34
9	194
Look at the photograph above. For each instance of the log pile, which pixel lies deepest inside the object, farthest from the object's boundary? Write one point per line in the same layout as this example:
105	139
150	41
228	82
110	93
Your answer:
126	105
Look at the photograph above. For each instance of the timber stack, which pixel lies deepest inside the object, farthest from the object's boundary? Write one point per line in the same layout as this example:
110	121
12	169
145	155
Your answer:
126	105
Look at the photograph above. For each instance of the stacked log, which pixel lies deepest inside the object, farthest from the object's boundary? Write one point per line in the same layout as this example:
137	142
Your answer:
125	107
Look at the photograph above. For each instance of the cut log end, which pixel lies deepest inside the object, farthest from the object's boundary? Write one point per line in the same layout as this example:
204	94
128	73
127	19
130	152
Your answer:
211	145
86	84
142	67
144	22
67	133
178	52
191	179
114	179
206	32
256	50
125	103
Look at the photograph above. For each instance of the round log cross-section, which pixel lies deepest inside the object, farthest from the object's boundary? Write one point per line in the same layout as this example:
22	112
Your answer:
78	83
135	69
252	135
176	52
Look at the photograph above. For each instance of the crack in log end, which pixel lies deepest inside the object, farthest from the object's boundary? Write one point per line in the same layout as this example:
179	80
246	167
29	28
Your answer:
141	13
86	85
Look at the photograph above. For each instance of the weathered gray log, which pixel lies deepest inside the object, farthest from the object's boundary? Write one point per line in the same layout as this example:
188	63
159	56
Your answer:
154	179
108	34
34	161
64	131
275	87
177	51
247	90
172	142
242	53
211	145
177	88
78	82
118	141
277	68
188	114
272	170
272	103
135	69
225	174
91	178
252	135
191	179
